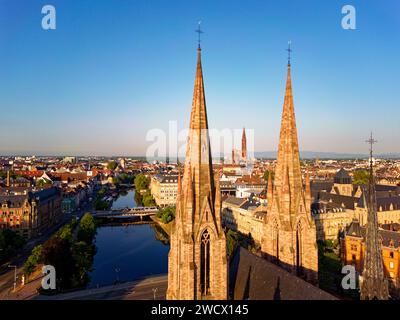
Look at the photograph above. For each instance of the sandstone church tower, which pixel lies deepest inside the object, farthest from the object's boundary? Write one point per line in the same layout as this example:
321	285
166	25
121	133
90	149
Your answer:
289	229
244	146
197	262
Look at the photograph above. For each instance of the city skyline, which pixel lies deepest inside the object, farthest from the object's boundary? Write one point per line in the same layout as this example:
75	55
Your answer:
131	73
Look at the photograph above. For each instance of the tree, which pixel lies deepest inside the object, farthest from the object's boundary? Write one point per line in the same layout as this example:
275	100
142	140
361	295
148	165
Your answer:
10	243
87	228
266	175
148	200
232	240
112	165
83	254
166	214
33	260
43	183
66	232
58	253
141	182
361	177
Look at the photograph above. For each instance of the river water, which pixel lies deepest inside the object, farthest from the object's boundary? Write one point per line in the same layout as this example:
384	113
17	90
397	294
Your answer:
128	252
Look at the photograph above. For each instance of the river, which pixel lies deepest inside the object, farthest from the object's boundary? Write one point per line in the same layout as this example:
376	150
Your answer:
128	252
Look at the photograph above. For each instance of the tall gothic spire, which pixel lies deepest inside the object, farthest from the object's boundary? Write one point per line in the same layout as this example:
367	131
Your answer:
288	162
374	284
197	262
244	145
289	227
198	151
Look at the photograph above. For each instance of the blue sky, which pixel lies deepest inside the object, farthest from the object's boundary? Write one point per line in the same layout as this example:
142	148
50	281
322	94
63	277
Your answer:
113	70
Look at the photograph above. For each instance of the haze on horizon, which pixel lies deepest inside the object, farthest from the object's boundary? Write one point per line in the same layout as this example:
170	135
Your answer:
111	72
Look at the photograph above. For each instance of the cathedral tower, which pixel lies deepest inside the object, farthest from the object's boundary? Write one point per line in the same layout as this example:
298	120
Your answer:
289	229
244	146
197	261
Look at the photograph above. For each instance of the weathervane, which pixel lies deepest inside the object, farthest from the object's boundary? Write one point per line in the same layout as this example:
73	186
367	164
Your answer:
198	30
289	50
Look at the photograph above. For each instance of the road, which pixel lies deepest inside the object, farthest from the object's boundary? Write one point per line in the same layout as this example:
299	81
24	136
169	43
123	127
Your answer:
7	274
149	288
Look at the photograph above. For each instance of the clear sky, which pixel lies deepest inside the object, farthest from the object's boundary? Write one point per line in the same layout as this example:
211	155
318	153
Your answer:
113	70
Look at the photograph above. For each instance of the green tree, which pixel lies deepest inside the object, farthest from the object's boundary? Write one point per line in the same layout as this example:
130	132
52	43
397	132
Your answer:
266	175
166	214
361	177
141	182
10	243
101	192
33	260
148	200
87	228
83	255
58	253
41	183
112	165
66	232
232	241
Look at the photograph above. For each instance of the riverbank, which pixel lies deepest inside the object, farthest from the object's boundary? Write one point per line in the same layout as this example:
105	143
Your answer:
165	226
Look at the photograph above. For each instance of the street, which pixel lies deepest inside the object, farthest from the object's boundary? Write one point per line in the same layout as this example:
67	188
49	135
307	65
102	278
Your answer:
150	288
7	274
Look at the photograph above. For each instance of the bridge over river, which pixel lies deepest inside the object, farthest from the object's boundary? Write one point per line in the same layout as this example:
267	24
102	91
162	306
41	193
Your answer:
126	213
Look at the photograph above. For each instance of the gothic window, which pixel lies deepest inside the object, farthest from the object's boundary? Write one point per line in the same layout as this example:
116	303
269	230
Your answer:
299	250
205	263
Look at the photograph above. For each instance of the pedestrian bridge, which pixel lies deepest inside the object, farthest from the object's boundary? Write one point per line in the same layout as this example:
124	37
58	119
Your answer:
126	213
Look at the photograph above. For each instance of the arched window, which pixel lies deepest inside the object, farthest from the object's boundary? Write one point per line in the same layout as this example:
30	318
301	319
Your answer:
299	250
205	263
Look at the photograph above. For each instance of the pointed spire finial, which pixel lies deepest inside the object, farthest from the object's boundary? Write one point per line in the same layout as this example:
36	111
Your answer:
289	50
199	31
371	142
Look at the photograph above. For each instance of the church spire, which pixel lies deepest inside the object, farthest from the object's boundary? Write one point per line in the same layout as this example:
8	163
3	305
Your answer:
244	145
289	219
197	262
288	160
374	284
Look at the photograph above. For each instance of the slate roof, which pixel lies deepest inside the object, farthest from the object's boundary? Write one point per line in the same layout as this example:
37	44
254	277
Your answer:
342	174
235	201
254	278
16	201
383	203
167	178
337	199
389	238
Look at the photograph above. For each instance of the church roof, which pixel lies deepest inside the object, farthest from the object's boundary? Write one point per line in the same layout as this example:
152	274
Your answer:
254	278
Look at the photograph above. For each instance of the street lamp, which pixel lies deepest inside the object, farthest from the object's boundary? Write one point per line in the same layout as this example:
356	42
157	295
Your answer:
15	275
154	293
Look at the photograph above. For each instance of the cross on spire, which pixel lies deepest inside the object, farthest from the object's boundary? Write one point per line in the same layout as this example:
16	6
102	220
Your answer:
289	50
199	31
371	141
